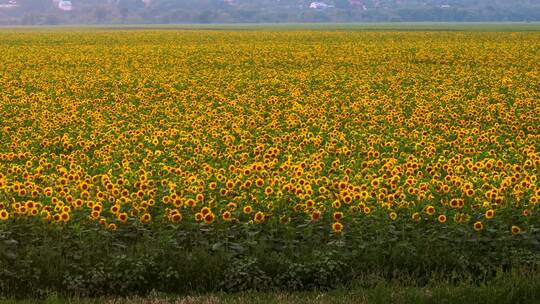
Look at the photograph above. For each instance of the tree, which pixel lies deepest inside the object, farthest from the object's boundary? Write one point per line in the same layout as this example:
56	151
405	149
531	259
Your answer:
206	11
101	14
125	7
52	20
205	16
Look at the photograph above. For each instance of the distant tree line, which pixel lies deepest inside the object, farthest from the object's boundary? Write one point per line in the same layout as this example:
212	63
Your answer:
266	11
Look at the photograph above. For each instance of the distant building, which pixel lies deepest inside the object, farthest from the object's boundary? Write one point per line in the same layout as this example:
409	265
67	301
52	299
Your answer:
445	6
320	5
9	4
65	5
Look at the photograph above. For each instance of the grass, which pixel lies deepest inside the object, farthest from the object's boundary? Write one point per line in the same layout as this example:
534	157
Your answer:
507	288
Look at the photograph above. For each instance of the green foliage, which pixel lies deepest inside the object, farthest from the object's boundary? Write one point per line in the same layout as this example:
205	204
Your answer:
39	259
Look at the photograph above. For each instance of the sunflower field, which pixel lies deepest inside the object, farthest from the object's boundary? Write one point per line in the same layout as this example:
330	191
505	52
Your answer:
183	160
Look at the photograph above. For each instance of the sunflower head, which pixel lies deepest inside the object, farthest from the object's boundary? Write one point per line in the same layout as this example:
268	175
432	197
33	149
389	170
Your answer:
337	227
478	226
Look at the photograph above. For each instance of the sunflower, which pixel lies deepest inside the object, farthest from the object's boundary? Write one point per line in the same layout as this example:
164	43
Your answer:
489	214
441	218
64	217
268	191
337	216
337	227
259	182
248	209
259	217
515	230
4	215
430	210
315	215
95	214
393	216
45	215
191	202
478	226
114	209
112	227
145	218
122	217
176	217
226	216
209	218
